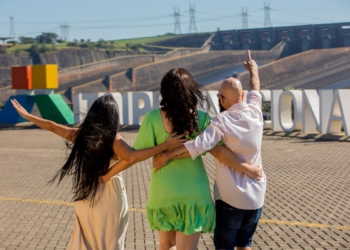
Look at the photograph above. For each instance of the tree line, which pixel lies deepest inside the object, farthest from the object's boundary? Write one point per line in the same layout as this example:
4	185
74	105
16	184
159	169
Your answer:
44	38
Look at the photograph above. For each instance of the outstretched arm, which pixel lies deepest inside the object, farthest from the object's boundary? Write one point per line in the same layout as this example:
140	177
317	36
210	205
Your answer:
222	153
204	142
125	152
129	156
251	66
60	130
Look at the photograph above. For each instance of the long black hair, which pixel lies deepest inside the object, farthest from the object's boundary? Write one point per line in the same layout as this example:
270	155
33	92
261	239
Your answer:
92	148
181	95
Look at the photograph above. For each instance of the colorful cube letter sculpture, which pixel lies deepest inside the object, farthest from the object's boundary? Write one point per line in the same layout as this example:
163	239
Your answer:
21	77
51	106
45	76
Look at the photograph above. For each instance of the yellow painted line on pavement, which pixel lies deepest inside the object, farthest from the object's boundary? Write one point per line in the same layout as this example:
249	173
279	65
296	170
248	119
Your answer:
137	210
63	203
263	221
303	224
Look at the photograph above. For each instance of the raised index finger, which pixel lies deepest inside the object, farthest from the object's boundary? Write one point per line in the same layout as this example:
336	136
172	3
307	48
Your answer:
249	56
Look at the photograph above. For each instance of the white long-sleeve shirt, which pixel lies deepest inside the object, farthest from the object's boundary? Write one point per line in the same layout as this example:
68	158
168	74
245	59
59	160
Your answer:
240	128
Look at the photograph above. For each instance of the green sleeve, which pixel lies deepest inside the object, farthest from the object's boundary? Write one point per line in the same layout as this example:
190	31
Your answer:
204	121
146	136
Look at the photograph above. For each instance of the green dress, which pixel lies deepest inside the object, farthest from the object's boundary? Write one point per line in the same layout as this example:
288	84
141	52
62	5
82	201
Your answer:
179	194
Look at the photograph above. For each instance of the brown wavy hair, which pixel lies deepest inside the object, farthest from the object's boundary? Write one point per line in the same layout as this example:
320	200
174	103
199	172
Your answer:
181	96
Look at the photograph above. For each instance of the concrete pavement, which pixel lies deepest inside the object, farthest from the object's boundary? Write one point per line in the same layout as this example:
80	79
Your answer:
307	202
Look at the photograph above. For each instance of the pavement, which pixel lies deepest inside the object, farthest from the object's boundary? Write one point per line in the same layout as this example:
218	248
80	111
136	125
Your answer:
306	207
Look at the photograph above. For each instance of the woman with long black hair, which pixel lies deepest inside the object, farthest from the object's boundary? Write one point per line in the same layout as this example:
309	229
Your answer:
101	211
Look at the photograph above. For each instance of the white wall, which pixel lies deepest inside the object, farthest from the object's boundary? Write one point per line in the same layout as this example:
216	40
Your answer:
322	111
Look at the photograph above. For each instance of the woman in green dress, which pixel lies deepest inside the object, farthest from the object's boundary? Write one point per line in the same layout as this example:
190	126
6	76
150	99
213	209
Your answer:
179	205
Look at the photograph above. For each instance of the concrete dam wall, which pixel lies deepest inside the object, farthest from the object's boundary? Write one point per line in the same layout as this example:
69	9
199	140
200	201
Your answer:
293	70
148	77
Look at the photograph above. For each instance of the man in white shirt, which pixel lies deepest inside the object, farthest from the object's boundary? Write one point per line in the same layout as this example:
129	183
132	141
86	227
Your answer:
238	198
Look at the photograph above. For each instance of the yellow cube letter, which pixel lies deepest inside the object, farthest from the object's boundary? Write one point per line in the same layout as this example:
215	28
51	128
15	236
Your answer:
45	76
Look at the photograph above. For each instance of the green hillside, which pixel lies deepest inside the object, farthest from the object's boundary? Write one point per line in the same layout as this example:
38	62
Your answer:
142	40
136	44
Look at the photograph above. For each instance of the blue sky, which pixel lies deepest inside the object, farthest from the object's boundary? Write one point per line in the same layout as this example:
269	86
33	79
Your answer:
115	19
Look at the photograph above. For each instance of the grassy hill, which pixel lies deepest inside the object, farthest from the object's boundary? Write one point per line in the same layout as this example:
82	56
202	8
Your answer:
137	44
143	40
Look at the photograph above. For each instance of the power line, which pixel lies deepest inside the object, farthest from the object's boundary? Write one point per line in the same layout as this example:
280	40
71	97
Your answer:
177	28
220	16
193	27
304	16
99	21
167	24
267	10
121	26
12	28
244	18
201	18
39	32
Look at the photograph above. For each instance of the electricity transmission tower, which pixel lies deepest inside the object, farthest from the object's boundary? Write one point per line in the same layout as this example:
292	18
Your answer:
193	27
267	10
244	18
64	32
177	28
12	28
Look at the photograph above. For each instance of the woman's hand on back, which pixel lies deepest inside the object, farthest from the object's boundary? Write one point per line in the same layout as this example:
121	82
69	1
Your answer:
103	179
175	141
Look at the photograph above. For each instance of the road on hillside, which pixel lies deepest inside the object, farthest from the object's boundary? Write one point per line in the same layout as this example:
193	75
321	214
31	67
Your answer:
219	74
344	84
101	76
334	77
204	79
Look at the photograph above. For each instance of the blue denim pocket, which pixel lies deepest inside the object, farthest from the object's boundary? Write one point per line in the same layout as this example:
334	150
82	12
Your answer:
234	227
229	217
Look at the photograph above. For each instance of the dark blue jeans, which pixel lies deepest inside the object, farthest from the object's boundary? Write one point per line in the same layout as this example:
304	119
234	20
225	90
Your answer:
234	227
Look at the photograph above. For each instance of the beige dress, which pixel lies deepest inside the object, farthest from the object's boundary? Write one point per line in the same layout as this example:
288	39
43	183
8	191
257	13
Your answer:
102	226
